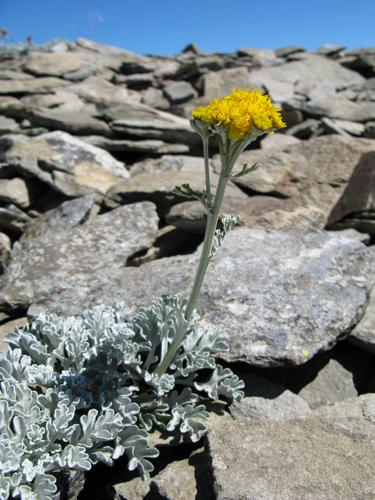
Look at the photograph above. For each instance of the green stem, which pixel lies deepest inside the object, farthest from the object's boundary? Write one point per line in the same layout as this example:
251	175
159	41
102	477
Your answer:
205	140
212	218
207	245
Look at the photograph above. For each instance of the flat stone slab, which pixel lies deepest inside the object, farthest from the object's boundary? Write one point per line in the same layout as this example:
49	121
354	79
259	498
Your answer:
155	179
254	211
341	108
326	456
135	120
42	267
281	296
314	172
144	147
45	64
286	406
31	86
64	162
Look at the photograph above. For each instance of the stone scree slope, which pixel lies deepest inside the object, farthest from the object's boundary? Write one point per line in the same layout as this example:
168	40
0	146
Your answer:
92	141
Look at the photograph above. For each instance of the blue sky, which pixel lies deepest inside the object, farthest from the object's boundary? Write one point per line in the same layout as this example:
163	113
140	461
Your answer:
166	26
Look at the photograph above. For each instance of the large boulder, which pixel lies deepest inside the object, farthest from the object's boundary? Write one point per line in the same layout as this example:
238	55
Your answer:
72	257
277	294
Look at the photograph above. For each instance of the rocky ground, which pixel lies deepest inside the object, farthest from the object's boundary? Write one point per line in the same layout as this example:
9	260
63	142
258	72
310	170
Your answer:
93	139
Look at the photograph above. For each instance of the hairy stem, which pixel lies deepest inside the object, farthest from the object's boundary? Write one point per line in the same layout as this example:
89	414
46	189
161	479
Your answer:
207	245
205	140
212	218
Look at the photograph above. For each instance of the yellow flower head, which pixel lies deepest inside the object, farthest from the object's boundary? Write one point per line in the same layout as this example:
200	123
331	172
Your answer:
241	112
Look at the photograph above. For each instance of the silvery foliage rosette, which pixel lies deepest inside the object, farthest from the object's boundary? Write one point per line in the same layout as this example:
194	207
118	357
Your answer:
81	390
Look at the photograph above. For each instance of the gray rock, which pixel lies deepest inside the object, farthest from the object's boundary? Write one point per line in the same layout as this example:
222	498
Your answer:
52	64
308	128
220	83
370	130
306	458
324	91
363	334
359	193
64	162
329	377
182	479
10	74
333	383
166	67
185	479
370	84
74	122
33	86
97	90
69	214
330	127
341	108
278	141
255	211
276	167
352	128
155	98
5	246
15	191
362	60
137	81
355	415
193	67
287	51
59	100
72	259
330	49
150	146
140	121
160	177
279	90
168	163
301	171
260	57
178	92
277	299
306	74
8	125
286	406
135	64
12	107
13	220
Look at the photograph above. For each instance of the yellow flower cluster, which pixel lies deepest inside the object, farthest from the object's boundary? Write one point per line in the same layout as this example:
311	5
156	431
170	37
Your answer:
240	112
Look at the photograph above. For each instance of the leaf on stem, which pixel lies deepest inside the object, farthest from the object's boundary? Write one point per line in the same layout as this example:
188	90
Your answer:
246	169
187	192
228	222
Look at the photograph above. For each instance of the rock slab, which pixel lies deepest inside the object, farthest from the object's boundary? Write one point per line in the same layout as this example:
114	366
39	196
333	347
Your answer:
42	267
315	457
281	296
